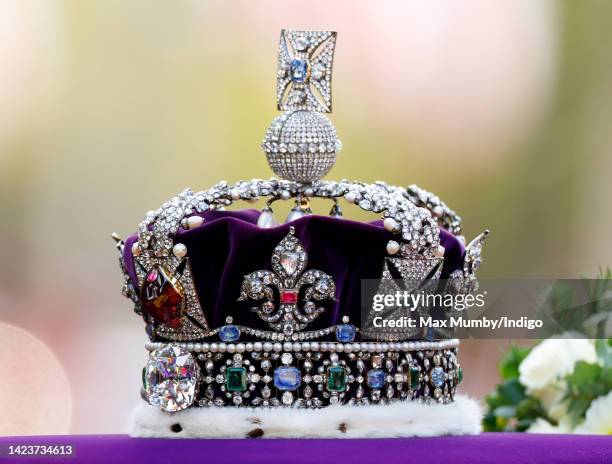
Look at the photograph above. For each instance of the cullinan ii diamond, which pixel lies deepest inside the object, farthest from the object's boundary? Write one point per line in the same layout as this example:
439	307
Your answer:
171	376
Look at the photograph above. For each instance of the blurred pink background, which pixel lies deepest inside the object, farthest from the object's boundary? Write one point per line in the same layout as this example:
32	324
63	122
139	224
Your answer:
108	108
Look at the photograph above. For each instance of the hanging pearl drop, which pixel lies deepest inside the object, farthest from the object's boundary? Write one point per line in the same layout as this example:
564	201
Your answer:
296	213
266	219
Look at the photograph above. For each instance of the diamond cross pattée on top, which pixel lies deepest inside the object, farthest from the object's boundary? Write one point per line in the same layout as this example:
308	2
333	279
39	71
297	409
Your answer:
289	260
304	74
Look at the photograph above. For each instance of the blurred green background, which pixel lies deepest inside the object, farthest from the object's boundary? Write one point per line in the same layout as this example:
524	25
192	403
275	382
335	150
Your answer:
108	108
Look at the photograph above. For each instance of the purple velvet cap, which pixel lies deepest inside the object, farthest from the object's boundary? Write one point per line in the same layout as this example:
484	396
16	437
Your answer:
230	245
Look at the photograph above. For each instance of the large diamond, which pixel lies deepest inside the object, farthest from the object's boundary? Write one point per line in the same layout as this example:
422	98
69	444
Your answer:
161	298
170	378
289	260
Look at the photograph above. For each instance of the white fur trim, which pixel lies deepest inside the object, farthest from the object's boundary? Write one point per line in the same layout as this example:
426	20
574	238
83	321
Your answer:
405	419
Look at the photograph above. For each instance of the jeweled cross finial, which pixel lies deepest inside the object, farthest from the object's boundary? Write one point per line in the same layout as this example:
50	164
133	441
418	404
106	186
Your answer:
304	70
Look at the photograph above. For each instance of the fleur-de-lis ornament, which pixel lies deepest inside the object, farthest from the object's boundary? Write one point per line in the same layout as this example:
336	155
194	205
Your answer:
278	291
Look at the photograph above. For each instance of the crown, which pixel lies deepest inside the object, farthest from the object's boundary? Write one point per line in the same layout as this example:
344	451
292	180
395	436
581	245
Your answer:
242	311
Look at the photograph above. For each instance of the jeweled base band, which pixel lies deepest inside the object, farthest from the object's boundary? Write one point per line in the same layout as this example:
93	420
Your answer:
300	374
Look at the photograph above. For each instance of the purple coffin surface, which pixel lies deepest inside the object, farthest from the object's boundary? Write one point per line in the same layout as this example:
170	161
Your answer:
230	245
494	448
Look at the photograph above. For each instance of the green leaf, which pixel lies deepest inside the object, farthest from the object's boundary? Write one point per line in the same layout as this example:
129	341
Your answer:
529	408
509	364
584	376
604	351
512	391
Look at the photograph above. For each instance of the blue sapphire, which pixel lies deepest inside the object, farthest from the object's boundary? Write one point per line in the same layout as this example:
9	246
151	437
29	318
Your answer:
376	379
229	333
287	378
299	70
437	376
345	333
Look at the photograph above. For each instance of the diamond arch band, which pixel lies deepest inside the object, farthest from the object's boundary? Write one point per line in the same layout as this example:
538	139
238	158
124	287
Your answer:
415	226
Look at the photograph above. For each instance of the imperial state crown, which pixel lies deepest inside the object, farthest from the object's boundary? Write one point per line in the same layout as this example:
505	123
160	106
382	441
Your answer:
255	327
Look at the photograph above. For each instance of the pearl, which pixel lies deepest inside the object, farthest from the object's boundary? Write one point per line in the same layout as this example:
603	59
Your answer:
314	346
350	197
179	250
235	194
391	224
440	251
438	211
309	192
266	219
339	347
249	347
297	346
214	347
295	213
306	346
257	346
240	348
285	194
393	247
194	221
278	347
136	249
267	346
205	347
231	348
222	347
287	346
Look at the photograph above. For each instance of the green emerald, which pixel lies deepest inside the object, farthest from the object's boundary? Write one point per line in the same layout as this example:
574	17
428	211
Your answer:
459	375
144	378
235	379
414	378
336	379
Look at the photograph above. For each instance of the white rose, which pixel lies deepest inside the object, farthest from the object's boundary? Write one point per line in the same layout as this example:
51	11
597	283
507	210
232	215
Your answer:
598	418
552	359
543	426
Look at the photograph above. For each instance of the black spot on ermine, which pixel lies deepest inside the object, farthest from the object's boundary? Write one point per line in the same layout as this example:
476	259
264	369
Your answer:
176	428
255	433
342	427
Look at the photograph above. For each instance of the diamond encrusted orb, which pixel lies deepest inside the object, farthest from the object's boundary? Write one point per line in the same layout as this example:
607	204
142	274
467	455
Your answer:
301	145
170	378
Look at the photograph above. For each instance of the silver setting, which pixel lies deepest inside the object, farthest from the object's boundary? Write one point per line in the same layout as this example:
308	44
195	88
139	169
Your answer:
286	314
315	49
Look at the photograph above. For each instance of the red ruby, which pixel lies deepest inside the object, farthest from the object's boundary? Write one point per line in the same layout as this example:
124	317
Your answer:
288	296
162	299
